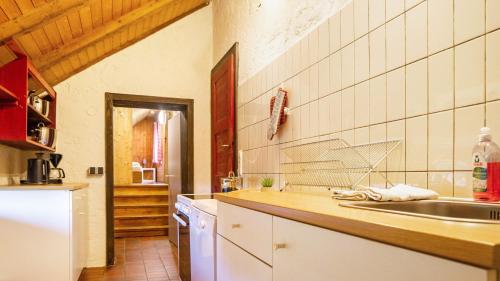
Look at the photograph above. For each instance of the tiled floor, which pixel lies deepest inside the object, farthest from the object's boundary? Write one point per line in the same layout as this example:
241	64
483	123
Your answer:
139	259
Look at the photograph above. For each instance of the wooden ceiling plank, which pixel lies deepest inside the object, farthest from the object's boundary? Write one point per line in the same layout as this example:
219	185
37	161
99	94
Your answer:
67	67
117	8
100	32
132	31
6	55
107	11
127	6
3	16
75	23
38	17
53	34
49	75
116	40
99	46
39	3
108	41
29	45
42	41
75	61
25	6
64	29
96	10
135	4
124	36
84	59
57	70
86	19
10	8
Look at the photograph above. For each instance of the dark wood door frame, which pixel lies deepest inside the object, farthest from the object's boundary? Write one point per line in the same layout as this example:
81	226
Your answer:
186	107
232	51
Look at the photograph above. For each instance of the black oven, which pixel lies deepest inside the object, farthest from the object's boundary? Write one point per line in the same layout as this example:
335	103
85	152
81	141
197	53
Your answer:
183	245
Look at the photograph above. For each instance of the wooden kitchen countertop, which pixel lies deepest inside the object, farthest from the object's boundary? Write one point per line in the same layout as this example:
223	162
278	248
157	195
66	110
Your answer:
64	186
472	243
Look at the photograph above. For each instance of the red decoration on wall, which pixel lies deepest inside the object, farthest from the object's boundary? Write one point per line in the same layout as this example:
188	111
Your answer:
282	111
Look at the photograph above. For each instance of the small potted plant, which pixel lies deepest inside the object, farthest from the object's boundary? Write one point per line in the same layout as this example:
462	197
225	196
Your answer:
266	183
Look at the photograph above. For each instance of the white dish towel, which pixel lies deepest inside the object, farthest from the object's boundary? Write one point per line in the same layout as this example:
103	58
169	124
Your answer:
400	192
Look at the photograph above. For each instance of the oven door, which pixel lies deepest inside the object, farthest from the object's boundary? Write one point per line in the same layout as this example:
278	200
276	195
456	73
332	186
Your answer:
183	246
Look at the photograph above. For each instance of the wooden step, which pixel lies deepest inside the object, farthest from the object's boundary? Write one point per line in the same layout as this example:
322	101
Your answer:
141	220
137	231
140	209
151	189
140	199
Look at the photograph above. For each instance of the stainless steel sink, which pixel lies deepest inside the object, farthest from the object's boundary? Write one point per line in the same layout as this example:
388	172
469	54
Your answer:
462	211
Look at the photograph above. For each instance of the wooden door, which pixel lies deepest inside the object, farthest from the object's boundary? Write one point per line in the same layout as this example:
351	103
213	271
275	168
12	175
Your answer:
174	171
223	84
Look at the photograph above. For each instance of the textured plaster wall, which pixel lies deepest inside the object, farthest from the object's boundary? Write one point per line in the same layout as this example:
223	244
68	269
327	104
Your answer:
265	28
174	62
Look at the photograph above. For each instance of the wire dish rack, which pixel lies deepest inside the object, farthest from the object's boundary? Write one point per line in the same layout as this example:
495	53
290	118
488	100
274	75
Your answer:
332	163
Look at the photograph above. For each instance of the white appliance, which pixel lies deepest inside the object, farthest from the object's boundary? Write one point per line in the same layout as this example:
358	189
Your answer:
203	234
196	227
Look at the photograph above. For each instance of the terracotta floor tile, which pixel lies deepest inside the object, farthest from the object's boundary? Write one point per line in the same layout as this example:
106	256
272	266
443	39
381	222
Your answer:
139	259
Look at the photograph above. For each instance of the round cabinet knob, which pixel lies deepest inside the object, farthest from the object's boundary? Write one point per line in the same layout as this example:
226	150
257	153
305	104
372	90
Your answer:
278	246
236	225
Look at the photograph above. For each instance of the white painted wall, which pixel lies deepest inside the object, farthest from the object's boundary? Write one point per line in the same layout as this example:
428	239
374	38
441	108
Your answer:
174	62
265	28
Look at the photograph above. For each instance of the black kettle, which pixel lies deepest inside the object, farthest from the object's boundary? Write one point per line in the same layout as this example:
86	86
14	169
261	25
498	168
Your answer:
38	170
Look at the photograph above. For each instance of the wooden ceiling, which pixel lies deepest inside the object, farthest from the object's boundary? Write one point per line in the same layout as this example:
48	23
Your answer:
63	37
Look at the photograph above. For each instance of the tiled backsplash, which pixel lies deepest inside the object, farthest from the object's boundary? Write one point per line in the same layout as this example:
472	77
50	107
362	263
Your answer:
425	72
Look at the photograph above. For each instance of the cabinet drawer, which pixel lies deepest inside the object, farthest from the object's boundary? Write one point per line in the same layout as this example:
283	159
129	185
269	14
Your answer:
248	229
233	264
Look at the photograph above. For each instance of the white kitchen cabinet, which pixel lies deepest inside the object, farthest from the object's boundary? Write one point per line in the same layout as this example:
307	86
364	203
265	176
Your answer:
246	228
43	234
305	252
235	264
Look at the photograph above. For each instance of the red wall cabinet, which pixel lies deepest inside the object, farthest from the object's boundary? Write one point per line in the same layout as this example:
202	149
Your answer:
17	116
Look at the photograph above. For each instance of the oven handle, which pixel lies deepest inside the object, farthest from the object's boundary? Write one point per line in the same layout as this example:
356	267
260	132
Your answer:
179	220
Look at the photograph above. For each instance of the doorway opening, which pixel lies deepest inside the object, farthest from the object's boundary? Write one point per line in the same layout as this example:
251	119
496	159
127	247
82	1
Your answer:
149	160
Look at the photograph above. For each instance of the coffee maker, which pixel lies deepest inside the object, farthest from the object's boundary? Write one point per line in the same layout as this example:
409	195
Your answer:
38	170
56	174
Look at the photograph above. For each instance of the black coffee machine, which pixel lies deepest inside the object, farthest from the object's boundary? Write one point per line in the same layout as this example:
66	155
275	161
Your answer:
39	171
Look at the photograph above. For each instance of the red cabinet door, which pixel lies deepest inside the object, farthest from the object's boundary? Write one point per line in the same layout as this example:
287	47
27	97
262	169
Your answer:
223	118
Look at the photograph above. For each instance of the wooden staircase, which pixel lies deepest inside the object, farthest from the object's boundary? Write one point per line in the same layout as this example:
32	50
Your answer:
141	210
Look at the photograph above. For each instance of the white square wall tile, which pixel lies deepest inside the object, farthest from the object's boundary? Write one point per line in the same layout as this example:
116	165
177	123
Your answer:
361	136
334	28
348	108
442	183
416	144
348	136
493	65
395	37
324	77
396	178
468	121
469	72
469	19
416	33
441	83
347	24
396	159
378	133
362	104
492	18
440	25
411	3
462	184
416	88
361	59
441	141
304	87
376	13
295	61
335	72
324	115
348	66
305	121
313	38
296	121
313	82
323	40
396	94
314	118
378	99
418	179
377	51
492	118
360	18
304	53
394	8
335	102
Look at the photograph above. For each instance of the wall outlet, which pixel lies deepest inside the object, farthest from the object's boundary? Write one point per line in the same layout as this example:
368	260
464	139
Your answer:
95	171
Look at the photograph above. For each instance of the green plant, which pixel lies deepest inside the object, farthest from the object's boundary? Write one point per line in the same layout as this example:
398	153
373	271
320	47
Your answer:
267	182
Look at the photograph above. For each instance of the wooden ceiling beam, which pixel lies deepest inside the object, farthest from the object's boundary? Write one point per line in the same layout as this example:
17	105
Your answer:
203	3
38	17
46	60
